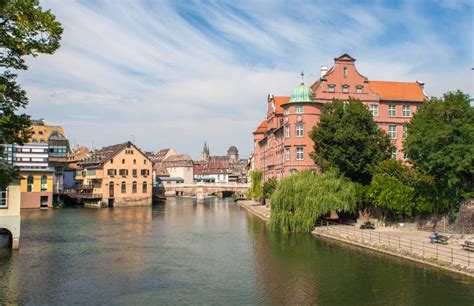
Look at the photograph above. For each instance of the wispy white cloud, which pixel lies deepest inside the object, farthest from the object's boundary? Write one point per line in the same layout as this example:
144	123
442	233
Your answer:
178	73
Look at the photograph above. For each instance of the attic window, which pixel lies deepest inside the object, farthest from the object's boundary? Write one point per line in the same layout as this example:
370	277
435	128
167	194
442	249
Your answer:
345	88
111	160
331	88
359	89
344	72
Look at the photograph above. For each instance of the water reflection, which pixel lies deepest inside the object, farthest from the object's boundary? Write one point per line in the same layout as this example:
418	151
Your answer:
299	269
182	252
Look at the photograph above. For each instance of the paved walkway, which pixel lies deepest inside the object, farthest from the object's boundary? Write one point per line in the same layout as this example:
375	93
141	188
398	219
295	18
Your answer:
257	209
406	243
410	244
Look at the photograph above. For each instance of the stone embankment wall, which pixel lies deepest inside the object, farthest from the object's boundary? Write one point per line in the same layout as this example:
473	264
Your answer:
462	224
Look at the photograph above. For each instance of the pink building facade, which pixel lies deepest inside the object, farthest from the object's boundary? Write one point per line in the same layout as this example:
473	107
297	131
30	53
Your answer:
282	144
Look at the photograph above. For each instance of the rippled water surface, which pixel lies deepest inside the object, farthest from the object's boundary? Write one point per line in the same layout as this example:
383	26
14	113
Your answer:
212	253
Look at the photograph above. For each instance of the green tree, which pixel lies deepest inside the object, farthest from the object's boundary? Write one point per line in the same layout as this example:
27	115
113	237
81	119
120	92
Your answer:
269	187
25	30
300	199
348	139
440	143
401	191
255	191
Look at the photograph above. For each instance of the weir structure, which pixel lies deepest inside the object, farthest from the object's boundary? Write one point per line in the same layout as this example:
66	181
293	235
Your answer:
201	190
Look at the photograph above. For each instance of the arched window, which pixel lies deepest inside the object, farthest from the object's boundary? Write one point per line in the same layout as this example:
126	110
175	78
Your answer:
134	161
123	161
144	187
134	187
29	183
293	171
123	188
44	183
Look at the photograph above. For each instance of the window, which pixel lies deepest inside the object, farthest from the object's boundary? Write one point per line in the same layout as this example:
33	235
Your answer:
134	172
123	172
299	109
405	131
293	171
134	161
111	160
145	172
299	130
144	161
392	131
299	153
123	187
44	183
90	172
287	153
144	187
374	109
344	72
29	183
406	110
392	112
359	89
3	199
287	131
123	161
287	110
394	152
111	172
405	156
134	187
331	88
345	88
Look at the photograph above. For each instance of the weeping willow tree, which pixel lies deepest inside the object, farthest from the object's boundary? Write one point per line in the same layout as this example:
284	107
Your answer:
302	198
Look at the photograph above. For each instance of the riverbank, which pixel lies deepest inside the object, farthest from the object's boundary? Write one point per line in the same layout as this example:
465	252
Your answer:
257	209
411	245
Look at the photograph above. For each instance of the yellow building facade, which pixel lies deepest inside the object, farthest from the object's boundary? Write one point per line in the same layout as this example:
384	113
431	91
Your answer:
36	189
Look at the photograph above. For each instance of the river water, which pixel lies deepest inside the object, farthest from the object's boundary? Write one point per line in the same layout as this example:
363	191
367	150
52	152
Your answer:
212	253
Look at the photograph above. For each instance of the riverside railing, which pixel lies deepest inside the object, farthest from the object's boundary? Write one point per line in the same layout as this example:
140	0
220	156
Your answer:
426	250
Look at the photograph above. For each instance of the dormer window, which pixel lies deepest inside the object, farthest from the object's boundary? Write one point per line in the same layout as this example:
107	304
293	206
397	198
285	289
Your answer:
344	72
345	88
331	88
359	89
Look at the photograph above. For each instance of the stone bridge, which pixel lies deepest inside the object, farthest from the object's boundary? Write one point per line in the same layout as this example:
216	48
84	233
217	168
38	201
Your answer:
201	190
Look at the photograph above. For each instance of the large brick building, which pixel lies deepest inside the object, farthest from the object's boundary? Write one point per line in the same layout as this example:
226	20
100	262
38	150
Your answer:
281	142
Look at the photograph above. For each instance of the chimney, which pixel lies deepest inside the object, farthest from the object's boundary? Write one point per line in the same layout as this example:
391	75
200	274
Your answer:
324	70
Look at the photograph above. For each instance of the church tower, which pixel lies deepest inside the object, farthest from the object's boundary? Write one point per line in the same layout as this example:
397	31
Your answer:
205	153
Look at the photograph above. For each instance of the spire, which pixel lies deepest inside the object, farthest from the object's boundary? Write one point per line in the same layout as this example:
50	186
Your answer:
302	77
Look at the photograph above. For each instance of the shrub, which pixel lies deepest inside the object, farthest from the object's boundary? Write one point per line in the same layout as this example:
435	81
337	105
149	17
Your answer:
401	191
269	187
255	191
302	198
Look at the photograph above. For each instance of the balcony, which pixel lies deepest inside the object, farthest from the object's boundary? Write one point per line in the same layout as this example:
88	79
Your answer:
82	194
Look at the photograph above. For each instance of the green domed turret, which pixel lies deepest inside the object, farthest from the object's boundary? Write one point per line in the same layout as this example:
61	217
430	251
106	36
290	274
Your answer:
301	93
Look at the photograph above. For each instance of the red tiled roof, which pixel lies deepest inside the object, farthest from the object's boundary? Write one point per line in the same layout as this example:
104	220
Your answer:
160	155
279	101
262	127
398	91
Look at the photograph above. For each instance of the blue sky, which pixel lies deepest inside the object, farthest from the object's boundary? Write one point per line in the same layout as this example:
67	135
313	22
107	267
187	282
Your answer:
177	73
